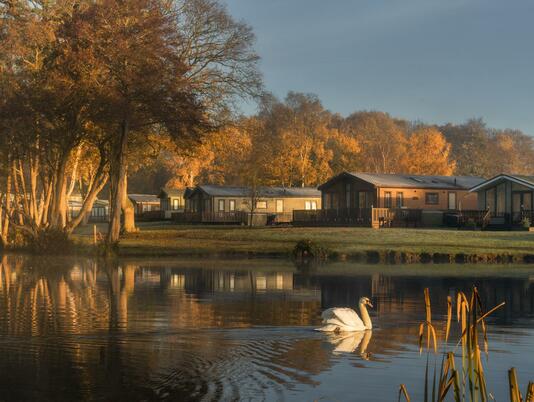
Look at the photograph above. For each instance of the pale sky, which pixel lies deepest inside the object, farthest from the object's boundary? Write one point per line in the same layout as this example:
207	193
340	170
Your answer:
430	60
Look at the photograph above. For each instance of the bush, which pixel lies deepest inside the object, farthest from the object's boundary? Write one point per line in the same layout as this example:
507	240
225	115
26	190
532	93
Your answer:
307	249
49	241
525	222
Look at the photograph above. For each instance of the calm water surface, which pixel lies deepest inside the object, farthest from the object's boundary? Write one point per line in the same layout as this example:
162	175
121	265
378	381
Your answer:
235	330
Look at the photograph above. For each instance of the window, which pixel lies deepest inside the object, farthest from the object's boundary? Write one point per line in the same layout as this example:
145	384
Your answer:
221	205
310	205
231	205
432	198
175	204
261	204
400	200
347	195
387	199
490	199
279	206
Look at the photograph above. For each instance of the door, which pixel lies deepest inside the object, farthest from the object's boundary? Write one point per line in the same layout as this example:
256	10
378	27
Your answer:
452	200
279	206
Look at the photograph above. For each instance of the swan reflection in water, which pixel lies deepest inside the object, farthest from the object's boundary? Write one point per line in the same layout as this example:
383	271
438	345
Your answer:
348	342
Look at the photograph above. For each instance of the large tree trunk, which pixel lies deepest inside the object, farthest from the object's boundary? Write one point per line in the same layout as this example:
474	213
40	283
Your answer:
128	209
58	207
117	172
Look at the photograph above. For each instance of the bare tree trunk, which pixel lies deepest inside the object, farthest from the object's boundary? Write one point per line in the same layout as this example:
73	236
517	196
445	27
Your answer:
89	200
58	215
128	210
117	172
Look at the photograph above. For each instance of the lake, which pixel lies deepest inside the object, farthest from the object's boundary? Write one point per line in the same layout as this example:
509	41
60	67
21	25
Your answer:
195	330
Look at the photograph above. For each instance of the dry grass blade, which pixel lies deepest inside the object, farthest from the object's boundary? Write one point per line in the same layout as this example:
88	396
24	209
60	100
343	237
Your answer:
491	311
421	332
449	318
427	306
432	331
515	394
457	390
530	392
480	376
404	392
485	334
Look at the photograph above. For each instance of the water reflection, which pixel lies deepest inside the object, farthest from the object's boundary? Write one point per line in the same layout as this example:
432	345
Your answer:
177	331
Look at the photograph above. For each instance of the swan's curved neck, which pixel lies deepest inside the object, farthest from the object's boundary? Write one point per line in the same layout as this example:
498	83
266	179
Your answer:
365	316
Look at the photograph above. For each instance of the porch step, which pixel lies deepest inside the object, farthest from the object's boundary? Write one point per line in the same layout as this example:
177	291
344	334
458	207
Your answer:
497	221
497	228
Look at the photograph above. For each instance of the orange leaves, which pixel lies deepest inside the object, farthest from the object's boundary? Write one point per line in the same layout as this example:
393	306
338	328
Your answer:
428	152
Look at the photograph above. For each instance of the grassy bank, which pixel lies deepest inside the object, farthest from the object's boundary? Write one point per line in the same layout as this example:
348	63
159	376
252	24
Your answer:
172	240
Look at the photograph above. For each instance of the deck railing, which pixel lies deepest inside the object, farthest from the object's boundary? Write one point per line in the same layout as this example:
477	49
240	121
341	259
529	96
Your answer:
339	217
364	217
238	217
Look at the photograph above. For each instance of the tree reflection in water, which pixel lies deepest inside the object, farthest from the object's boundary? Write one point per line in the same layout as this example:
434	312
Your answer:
84	329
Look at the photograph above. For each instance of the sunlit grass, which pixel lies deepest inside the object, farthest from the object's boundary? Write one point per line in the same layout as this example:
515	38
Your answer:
174	240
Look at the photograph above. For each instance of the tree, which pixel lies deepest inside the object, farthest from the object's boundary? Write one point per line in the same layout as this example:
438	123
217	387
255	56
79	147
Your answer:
381	138
428	153
138	81
471	147
43	118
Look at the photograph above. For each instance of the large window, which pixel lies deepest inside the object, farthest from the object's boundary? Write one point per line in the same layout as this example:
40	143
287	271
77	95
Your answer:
347	195
432	198
175	204
400	200
310	205
221	205
231	205
387	199
261	204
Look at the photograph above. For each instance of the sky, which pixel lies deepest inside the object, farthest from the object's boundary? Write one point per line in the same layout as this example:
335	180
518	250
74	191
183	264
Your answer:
434	61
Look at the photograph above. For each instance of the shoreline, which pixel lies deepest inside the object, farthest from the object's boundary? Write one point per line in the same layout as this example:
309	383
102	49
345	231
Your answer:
361	245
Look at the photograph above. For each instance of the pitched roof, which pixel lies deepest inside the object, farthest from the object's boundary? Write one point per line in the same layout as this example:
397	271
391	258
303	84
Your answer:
144	198
170	192
413	181
266	192
524	180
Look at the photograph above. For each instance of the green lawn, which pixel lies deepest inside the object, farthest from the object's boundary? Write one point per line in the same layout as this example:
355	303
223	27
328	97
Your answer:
162	239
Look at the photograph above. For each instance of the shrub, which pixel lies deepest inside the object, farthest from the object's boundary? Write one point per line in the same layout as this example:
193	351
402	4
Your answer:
307	249
49	241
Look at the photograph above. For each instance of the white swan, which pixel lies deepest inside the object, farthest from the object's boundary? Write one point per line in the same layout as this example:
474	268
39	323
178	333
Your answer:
344	319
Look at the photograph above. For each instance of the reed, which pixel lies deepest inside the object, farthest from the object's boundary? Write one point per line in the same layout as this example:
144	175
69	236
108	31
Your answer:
467	381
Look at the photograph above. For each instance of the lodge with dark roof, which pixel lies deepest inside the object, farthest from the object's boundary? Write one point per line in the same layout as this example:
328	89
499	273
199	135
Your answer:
233	204
365	190
508	198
